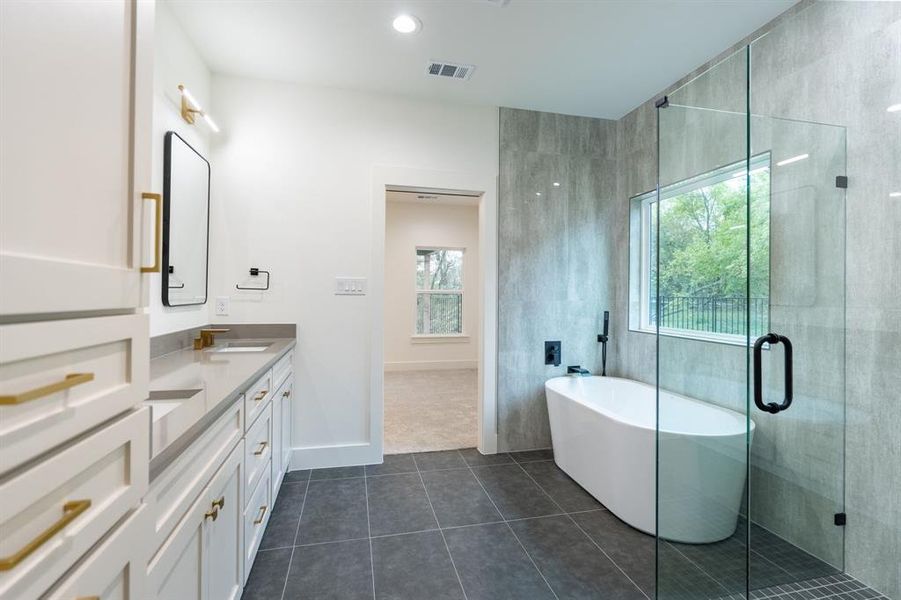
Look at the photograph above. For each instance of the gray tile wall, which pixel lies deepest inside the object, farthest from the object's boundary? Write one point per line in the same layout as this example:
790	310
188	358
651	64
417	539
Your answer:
828	62
554	258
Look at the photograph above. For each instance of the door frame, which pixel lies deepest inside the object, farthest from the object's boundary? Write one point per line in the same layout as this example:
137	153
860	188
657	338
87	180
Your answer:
486	183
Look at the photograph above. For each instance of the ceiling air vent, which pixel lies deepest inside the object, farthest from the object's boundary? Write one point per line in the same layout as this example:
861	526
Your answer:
450	70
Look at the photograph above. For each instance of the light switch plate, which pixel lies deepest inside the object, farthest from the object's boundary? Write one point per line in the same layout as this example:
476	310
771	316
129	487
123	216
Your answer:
221	306
350	286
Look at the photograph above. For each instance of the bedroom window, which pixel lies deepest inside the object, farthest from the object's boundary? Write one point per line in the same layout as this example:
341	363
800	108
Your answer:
439	291
703	224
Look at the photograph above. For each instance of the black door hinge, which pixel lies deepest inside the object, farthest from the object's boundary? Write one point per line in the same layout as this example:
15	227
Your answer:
662	102
841	519
841	181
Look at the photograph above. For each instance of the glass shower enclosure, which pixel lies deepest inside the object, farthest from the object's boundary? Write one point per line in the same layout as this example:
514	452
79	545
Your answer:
746	279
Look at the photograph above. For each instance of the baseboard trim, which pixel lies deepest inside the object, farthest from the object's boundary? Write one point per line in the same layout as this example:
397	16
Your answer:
431	365
320	457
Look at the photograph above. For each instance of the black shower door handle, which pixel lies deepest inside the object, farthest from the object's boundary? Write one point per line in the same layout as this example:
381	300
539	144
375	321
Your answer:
772	407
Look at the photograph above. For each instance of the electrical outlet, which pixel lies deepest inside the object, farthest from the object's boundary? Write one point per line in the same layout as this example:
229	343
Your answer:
221	306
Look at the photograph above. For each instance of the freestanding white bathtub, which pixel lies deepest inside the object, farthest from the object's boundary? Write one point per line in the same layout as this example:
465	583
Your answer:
604	437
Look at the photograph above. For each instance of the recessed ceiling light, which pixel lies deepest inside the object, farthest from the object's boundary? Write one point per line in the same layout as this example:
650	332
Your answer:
537	193
791	160
894	108
406	24
556	184
895	195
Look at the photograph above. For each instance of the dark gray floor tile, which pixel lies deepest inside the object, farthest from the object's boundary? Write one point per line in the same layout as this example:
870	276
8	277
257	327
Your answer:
458	498
533	455
414	565
290	497
336	473
282	528
565	492
445	459
474	458
514	493
398	504
573	566
338	571
632	550
334	510
393	463
493	566
297	476
635	553
267	577
727	563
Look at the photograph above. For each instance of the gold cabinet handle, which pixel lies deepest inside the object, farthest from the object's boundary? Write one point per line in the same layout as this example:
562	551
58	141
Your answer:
220	503
261	449
259	519
211	514
71	380
71	510
157	232
286	394
260	396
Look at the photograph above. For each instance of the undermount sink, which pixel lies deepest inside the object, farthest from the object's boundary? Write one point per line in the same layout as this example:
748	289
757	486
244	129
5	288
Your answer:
241	347
162	402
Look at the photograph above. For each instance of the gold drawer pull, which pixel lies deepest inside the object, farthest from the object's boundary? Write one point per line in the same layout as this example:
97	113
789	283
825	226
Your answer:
262	514
260	395
157	232
220	503
211	514
71	380
286	394
261	449
71	510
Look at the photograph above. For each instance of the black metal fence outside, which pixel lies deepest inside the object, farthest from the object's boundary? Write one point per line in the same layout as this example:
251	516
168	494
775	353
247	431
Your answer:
712	314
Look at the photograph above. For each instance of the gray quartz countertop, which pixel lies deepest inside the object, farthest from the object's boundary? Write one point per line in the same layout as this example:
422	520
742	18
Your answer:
189	389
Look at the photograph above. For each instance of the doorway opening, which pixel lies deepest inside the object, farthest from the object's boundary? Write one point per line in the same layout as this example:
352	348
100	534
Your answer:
432	319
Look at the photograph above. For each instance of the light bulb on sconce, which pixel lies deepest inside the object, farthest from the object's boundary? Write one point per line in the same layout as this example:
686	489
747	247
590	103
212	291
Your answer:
190	108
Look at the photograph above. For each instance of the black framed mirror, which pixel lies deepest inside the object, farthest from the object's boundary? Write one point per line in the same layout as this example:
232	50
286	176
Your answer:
186	223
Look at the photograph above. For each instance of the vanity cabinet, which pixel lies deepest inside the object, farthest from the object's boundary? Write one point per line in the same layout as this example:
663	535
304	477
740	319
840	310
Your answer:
76	126
281	433
202	559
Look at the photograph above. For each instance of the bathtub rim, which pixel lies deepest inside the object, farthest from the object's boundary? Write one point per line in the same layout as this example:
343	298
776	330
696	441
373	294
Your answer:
610	415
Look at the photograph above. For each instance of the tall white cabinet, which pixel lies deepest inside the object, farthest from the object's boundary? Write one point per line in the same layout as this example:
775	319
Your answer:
75	116
75	120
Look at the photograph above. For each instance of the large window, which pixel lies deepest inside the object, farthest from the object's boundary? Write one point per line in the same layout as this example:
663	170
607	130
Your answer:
703	247
439	291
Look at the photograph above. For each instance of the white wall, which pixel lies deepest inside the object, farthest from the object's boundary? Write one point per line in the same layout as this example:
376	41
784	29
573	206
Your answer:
176	61
292	193
409	225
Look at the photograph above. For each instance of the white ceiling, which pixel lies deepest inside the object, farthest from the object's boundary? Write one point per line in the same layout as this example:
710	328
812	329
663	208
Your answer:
596	58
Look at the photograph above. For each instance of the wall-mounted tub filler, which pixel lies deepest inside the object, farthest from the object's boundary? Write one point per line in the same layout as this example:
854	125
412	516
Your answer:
602	340
577	371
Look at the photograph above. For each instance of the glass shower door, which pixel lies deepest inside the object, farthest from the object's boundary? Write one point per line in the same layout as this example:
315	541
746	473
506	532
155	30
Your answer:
746	294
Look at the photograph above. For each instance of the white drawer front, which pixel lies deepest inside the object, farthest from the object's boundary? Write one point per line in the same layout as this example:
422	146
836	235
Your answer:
258	450
78	494
256	517
176	488
257	397
102	364
116	569
282	369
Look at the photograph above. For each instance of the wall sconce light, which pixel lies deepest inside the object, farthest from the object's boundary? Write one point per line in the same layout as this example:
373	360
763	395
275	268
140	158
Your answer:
190	108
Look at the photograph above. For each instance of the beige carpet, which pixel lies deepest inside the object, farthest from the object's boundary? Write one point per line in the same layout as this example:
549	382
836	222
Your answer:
430	410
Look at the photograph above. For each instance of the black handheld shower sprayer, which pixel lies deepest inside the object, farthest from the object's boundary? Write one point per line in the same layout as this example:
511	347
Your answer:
602	339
